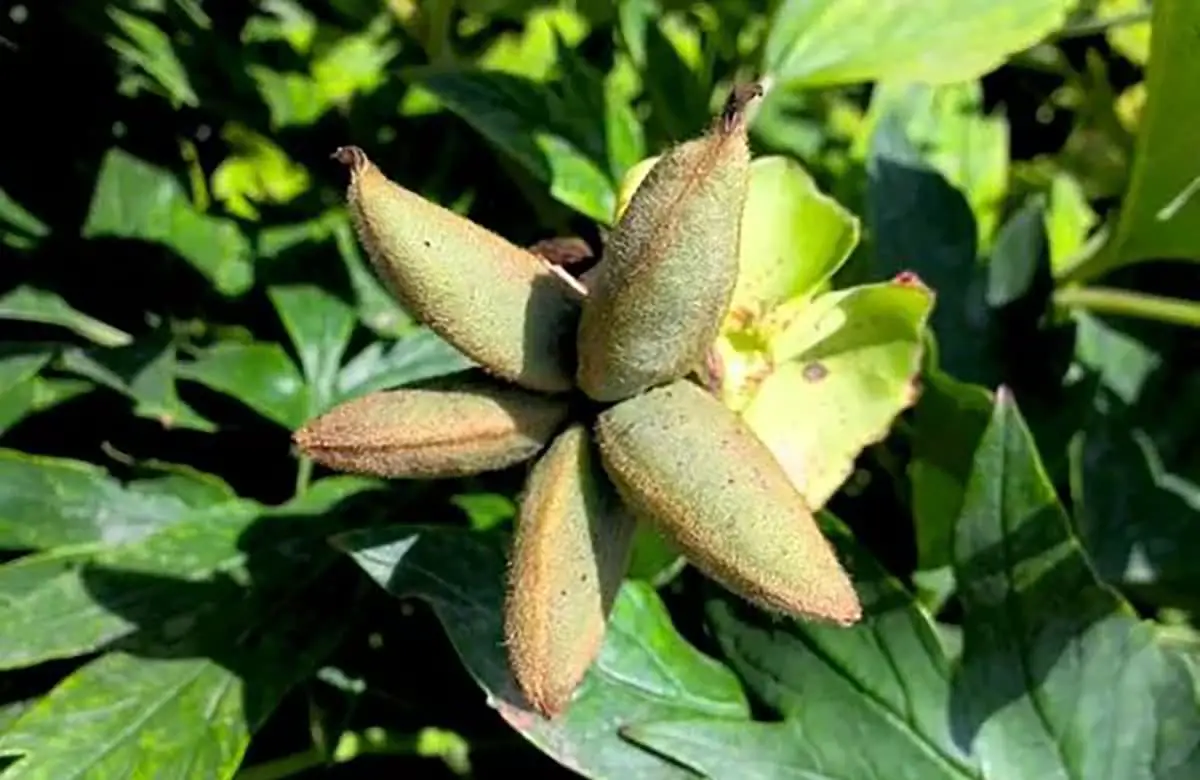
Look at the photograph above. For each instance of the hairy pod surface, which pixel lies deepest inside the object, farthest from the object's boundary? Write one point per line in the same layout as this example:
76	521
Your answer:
690	466
669	269
460	425
570	553
497	303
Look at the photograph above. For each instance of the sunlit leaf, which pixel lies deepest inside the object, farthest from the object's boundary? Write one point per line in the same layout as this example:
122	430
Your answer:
30	304
827	42
134	199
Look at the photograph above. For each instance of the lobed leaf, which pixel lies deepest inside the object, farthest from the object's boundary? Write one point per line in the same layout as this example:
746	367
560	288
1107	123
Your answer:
645	671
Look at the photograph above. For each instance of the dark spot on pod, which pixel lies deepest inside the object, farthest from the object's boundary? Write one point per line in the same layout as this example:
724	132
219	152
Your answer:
815	371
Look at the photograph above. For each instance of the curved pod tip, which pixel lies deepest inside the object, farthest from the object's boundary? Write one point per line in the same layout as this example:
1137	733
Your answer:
690	466
495	302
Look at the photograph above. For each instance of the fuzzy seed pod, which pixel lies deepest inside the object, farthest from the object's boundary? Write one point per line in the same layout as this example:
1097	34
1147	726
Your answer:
497	303
670	266
569	556
691	467
455	426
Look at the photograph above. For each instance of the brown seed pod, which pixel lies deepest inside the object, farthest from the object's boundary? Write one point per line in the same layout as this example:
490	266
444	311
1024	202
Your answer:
669	269
690	466
497	303
569	556
460	425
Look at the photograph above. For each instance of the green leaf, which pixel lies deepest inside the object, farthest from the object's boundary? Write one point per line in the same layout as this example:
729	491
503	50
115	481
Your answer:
29	304
1161	208
948	422
347	66
160	580
516	116
51	502
145	372
828	42
947	124
843	371
1069	220
320	326
920	223
678	94
19	228
887	677
1020	252
645	670
189	689
794	237
422	355
19	366
148	49
257	171
134	199
1044	642
260	375
1135	516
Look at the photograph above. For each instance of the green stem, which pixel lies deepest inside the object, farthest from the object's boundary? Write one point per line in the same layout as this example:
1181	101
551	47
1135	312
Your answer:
304	472
1126	303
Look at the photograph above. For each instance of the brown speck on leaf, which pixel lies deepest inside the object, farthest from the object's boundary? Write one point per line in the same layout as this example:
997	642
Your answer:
734	112
815	371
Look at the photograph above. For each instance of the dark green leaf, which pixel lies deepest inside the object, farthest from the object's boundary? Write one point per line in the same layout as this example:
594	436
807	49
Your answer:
514	115
18	228
29	304
134	199
886	677
1052	659
678	95
19	367
145	372
146	47
949	421
1020	252
260	375
1137	519
920	223
1161	209
169	582
51	502
320	326
184	695
645	671
423	355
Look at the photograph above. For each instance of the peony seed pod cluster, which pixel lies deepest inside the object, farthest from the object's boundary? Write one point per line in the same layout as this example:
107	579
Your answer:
594	382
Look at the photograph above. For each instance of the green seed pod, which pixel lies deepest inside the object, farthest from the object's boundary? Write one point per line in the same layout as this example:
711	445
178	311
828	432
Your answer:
569	556
460	425
670	266
691	467
497	303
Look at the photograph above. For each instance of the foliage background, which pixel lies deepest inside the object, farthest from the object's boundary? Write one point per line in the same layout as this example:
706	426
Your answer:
182	290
